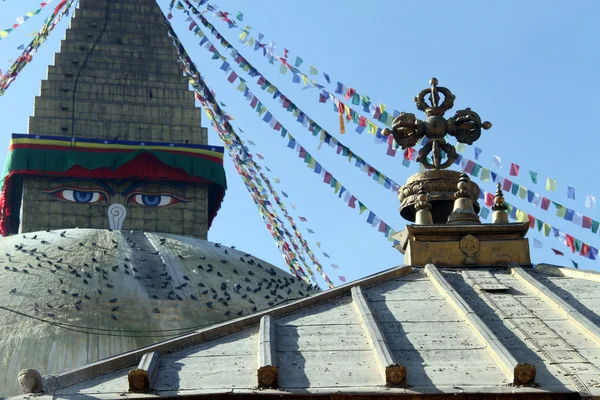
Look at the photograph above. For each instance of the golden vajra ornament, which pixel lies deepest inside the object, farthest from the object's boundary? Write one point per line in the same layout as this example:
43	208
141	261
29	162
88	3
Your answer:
465	126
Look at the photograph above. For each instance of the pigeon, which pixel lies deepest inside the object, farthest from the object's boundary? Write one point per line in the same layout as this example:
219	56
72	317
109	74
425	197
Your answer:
155	311
227	313
115	308
113	300
13	291
209	304
113	316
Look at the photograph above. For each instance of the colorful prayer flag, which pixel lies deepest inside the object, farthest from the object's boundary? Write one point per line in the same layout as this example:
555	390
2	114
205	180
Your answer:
514	169
550	185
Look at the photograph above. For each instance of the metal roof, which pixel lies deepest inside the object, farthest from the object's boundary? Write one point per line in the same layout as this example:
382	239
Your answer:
453	330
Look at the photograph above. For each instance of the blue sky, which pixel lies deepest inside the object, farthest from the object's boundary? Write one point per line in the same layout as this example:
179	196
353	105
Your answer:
528	67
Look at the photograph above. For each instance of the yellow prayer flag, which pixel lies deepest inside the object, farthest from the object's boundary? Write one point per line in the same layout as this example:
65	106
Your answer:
460	147
485	175
382	107
312	163
338	186
551	185
304	79
276	180
243	36
522	216
371	127
547	229
522	192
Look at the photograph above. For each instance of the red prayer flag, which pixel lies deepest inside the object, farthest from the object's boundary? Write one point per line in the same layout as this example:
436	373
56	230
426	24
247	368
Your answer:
391	151
327	177
586	222
545	203
382	226
469	167
302	219
232	77
489	199
408	153
558	253
507	185
514	169
352	202
362	121
570	242
585	250
260	156
531	221
302	152
350	93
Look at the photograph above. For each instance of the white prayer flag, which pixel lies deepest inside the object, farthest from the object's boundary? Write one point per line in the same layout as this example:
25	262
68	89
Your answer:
537	244
578	219
590	201
497	161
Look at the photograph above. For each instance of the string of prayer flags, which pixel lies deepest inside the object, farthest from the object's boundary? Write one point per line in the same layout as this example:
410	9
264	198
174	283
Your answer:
303	119
248	39
25	58
239	153
357	98
21	20
485	174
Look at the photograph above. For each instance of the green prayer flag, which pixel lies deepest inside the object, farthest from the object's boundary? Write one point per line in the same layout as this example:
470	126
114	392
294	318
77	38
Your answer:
540	224
283	131
476	170
405	162
577	245
515	188
383	117
313	70
298	62
356	99
362	207
533	176
595	225
283	69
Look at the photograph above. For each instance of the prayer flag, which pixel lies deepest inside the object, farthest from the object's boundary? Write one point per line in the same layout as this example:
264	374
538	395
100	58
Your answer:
570	192
477	152
590	201
533	175
514	169
497	162
537	244
550	185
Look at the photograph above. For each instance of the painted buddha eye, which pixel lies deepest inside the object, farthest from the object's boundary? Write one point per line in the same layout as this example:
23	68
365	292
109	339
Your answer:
155	199
81	196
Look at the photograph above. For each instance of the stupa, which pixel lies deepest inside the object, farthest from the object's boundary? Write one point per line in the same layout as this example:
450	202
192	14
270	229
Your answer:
106	205
467	316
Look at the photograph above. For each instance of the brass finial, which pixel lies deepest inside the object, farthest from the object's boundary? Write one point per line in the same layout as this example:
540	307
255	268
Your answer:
499	216
466	126
423	207
463	212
